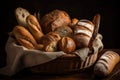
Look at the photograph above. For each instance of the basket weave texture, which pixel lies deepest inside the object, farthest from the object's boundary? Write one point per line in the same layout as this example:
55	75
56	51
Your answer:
64	64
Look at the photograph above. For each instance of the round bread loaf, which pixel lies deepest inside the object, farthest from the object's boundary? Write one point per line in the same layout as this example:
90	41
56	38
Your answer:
54	19
67	45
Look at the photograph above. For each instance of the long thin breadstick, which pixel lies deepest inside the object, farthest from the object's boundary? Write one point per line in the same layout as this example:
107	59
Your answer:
96	21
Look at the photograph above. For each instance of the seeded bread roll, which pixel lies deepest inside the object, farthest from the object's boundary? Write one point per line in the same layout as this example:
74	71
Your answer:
24	37
21	15
64	31
54	19
34	27
83	32
106	63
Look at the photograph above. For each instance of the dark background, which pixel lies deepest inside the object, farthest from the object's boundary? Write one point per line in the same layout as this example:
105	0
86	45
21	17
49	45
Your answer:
108	9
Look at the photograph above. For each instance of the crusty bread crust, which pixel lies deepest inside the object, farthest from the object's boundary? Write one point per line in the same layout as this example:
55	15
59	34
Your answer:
106	63
54	19
83	31
67	45
24	37
34	27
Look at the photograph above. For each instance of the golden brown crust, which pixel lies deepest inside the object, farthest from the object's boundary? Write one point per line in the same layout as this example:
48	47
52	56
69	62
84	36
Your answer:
24	37
25	43
54	19
56	36
67	45
34	27
74	21
50	41
49	37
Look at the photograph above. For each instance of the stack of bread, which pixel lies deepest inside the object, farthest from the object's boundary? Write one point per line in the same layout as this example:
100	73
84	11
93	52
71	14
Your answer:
55	31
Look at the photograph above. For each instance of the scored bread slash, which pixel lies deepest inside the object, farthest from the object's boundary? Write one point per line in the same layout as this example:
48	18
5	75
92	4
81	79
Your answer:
24	37
34	27
96	22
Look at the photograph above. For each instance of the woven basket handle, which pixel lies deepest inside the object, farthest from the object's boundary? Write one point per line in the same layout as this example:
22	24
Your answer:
96	22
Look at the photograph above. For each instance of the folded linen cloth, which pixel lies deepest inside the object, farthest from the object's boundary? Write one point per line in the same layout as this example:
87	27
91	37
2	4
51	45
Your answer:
19	57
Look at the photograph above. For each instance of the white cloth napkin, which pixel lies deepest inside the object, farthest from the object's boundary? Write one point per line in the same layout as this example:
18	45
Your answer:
19	57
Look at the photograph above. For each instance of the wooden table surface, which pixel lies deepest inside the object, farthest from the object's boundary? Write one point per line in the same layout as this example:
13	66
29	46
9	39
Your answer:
86	74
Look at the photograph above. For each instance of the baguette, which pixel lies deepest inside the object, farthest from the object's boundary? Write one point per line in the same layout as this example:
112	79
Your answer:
24	37
21	15
34	27
106	63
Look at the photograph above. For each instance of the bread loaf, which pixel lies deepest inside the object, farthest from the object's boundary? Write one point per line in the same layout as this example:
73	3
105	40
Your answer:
83	32
21	15
34	27
106	63
54	19
64	31
67	45
50	41
24	37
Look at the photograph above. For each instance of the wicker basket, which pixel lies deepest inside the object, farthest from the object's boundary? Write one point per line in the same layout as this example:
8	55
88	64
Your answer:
65	64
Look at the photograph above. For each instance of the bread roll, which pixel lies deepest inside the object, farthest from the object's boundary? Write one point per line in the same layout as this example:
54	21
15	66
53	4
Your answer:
83	32
51	47
67	45
106	63
74	21
54	35
64	31
21	15
50	41
24	37
49	37
54	19
34	27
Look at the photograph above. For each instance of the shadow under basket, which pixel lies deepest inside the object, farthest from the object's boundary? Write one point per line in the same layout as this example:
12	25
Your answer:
65	64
